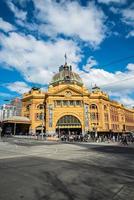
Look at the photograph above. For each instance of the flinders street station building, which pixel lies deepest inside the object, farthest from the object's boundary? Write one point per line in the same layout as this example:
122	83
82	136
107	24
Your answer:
69	107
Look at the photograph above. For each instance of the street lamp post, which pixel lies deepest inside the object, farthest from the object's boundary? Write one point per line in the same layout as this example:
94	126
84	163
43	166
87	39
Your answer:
0	132
59	131
14	131
42	128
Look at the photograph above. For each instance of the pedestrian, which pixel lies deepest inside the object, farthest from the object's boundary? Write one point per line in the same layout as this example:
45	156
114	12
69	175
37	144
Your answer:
125	140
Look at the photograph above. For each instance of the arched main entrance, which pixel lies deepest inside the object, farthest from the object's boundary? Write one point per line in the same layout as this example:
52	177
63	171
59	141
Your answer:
68	124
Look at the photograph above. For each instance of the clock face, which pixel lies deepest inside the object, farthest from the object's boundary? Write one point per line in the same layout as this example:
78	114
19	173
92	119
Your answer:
68	93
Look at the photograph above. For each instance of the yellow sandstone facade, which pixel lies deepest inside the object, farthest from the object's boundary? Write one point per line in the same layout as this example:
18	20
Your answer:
68	106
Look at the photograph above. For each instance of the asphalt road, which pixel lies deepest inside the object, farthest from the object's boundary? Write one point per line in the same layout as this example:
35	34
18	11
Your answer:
31	170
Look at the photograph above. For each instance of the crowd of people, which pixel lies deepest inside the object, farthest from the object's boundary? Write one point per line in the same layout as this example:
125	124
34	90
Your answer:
123	139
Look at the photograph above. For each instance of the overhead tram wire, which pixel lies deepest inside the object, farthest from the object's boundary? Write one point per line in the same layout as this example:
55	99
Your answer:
115	61
82	73
118	61
4	83
132	77
104	85
11	97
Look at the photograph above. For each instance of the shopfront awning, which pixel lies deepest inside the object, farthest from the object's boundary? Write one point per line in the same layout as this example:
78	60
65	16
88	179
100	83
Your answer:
17	120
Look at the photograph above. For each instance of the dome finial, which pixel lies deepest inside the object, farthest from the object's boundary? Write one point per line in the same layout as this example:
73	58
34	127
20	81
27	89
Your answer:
65	58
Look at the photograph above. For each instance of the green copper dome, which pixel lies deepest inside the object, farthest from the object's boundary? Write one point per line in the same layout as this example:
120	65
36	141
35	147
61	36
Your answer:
66	75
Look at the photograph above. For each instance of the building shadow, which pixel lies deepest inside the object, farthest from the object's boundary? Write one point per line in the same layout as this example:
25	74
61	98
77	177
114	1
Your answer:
37	178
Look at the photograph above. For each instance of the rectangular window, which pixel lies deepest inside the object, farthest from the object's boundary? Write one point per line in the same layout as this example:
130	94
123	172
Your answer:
97	116
8	113
71	103
58	103
92	116
78	103
106	126
65	103
106	116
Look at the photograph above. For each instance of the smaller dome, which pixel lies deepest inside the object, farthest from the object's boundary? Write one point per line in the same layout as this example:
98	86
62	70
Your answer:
95	88
35	88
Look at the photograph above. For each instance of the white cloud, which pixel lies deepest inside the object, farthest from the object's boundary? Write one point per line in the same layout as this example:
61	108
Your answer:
112	1
126	100
27	25
6	26
18	86
98	76
7	95
119	85
128	16
22	3
130	66
71	19
114	10
128	19
37	59
123	98
114	82
130	34
20	14
91	62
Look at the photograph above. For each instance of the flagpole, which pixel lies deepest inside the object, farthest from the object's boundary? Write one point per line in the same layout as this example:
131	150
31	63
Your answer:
65	58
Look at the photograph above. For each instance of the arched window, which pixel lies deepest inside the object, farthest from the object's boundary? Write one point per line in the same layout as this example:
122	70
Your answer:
40	106
94	115
28	107
106	117
105	107
93	107
68	120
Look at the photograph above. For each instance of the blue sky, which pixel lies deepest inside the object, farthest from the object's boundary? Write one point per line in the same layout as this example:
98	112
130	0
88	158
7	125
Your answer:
97	36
